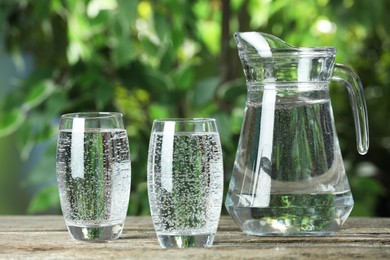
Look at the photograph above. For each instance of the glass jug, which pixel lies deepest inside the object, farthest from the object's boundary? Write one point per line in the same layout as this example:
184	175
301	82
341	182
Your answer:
288	176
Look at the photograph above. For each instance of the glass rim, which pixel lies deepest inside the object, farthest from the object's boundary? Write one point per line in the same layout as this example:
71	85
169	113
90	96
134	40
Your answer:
185	120
92	115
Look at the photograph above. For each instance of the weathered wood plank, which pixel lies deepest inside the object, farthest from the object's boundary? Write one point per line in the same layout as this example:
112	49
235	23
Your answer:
46	237
57	223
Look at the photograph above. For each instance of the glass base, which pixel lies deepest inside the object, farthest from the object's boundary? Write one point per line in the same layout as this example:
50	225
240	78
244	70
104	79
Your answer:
97	233
186	241
285	228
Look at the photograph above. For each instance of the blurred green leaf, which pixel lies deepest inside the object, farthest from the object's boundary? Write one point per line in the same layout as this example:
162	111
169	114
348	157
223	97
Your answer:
205	91
177	38
56	103
43	172
224	129
38	93
162	27
127	14
11	121
104	95
42	9
25	140
231	90
202	9
124	52
184	77
133	104
167	59
211	34
158	111
365	191
44	200
56	6
159	81
259	11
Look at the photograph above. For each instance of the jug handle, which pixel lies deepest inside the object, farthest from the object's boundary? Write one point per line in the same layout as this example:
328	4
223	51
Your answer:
354	86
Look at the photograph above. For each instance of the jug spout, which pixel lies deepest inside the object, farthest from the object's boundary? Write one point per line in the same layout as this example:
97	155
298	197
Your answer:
262	43
267	58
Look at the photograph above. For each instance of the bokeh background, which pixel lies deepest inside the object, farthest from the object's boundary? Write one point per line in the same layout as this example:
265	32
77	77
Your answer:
172	58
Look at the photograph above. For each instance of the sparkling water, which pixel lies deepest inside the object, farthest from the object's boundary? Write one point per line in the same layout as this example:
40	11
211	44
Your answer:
300	187
93	172
185	187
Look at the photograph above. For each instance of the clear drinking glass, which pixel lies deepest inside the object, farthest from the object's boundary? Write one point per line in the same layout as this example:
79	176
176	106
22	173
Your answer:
93	174
185	181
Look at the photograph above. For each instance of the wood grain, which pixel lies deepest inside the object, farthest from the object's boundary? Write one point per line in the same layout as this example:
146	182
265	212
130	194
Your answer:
37	237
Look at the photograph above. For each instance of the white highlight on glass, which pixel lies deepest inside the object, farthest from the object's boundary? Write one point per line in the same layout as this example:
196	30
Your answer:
167	156
77	151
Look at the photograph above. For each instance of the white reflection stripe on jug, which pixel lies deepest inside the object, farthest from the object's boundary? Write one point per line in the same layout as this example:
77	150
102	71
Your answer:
261	190
304	68
77	151
167	155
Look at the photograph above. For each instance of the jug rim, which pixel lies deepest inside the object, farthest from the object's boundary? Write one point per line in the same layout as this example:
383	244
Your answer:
279	51
326	51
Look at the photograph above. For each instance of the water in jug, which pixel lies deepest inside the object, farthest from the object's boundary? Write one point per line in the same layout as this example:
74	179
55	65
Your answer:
288	176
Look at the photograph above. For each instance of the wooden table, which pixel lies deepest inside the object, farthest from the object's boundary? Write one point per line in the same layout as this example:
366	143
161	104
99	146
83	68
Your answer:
42	237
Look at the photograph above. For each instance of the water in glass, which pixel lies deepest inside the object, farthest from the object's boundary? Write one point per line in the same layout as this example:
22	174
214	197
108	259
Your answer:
93	173
185	176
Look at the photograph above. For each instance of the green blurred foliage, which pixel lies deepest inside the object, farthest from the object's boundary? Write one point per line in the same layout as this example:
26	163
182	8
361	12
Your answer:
173	58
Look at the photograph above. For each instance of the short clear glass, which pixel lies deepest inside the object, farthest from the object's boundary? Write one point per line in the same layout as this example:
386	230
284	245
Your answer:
185	181
93	174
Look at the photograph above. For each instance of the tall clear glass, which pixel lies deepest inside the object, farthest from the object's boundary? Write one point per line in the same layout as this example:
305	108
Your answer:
185	181
93	174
